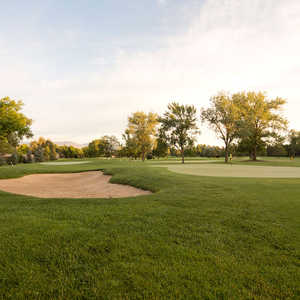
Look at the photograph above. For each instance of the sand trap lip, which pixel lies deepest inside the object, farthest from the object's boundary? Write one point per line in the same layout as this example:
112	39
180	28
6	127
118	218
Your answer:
65	163
222	170
72	185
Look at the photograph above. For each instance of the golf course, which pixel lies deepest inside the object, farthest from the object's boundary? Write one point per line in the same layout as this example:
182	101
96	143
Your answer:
150	150
203	230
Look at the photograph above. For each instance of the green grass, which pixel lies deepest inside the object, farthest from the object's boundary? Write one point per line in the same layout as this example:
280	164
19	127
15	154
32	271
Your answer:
266	161
234	170
194	238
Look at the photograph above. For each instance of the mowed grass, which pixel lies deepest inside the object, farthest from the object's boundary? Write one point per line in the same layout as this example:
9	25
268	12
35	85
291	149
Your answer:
194	238
265	161
234	170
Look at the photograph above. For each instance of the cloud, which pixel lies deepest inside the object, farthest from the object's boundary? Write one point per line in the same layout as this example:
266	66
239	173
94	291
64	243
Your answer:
229	45
162	2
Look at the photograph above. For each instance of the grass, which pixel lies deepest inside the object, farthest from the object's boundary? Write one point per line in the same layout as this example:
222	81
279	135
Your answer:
234	170
266	161
194	238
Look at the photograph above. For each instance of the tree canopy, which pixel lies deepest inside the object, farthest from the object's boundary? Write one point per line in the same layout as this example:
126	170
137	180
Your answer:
261	121
105	146
222	116
294	143
179	126
141	132
14	125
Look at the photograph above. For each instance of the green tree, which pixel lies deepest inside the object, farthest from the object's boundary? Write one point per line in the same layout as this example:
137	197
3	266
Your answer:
261	121
5	147
130	148
178	126
105	146
161	148
294	143
222	116
93	148
110	145
52	148
277	149
39	154
23	149
13	124
46	153
141	132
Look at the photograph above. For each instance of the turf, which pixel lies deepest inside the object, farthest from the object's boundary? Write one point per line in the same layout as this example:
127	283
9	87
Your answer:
194	238
265	161
234	170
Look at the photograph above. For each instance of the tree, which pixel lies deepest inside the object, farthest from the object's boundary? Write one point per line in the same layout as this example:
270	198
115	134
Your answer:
130	149
46	153
277	149
23	149
142	130
261	122
222	117
179	126
105	146
5	147
13	124
109	145
52	148
160	149
294	143
39	154
93	148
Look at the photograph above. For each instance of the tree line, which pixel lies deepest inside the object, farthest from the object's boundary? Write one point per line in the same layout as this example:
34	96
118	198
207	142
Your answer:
248	123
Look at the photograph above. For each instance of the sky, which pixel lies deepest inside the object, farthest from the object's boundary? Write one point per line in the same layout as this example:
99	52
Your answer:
82	67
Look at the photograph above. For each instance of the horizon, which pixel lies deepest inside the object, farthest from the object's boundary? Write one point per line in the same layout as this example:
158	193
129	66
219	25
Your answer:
82	68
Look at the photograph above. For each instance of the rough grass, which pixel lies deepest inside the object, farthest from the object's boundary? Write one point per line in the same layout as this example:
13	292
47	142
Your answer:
195	238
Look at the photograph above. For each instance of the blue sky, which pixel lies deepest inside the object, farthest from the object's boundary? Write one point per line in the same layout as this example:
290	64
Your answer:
76	36
81	67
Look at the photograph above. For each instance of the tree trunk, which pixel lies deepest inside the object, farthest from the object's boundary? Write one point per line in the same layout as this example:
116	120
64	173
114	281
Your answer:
254	154
143	156
226	155
182	156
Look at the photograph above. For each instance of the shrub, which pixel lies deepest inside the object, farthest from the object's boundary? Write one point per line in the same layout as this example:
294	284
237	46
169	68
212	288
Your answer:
149	156
29	158
39	155
13	159
2	161
22	159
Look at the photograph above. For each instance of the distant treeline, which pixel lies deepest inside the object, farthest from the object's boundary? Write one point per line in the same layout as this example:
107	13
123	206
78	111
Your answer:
249	124
109	146
39	151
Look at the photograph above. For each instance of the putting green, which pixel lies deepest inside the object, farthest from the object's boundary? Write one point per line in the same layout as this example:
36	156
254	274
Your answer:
222	170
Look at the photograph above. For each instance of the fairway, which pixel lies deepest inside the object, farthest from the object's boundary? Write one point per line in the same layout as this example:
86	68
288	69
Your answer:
192	238
223	170
65	163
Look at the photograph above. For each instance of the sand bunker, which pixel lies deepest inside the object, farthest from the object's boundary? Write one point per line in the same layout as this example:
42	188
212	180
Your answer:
74	185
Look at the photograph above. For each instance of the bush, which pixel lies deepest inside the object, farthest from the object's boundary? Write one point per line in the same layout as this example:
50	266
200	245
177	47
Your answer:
2	161
29	158
22	159
39	155
149	156
13	159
